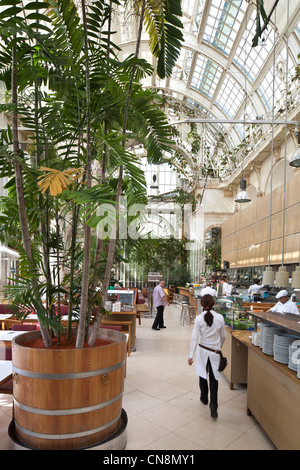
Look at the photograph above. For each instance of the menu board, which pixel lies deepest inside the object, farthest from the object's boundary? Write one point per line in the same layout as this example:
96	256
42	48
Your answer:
125	297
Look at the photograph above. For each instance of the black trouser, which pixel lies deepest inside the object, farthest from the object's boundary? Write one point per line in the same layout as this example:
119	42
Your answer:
213	386
159	319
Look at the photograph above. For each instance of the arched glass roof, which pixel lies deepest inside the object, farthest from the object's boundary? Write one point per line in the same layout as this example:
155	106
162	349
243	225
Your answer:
220	78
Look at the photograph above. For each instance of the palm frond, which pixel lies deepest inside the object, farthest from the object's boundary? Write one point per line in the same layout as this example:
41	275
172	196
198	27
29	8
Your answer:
56	181
162	19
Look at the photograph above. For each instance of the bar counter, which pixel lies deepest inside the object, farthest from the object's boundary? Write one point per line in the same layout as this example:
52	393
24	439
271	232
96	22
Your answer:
186	291
273	390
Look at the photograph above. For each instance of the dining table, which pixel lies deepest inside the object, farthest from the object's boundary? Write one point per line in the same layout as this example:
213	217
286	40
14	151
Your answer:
8	335
5	371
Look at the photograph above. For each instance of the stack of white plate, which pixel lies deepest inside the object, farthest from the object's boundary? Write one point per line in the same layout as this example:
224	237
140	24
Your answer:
281	347
294	355
262	325
268	338
256	338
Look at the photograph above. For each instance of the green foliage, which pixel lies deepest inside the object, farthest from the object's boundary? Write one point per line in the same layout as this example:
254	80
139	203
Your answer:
260	13
48	39
165	31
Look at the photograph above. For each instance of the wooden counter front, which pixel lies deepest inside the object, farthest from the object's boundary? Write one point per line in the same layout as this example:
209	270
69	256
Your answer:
235	348
273	390
273	398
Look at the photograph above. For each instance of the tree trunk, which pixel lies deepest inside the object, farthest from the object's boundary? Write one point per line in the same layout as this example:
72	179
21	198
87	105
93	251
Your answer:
109	263
87	230
20	189
112	242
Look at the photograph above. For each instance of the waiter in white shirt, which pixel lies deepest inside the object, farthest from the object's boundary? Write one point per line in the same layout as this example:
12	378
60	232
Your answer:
208	290
284	304
225	286
255	288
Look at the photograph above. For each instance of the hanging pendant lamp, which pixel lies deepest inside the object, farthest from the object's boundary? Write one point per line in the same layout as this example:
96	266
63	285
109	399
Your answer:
154	184
268	276
242	195
295	162
296	278
282	277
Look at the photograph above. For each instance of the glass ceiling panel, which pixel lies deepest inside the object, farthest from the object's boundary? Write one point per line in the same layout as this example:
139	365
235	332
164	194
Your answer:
206	76
253	57
219	63
182	67
247	113
230	96
223	23
298	30
277	81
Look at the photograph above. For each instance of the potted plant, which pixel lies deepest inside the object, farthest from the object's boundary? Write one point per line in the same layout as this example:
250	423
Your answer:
79	105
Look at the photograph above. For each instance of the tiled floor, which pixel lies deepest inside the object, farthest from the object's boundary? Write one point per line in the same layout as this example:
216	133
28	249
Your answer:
161	399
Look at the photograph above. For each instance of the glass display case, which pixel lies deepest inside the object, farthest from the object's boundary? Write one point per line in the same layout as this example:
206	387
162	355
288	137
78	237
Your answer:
120	300
235	315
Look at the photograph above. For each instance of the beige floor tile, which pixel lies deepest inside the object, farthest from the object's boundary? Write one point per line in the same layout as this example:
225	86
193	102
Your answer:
208	433
172	441
190	401
249	442
168	416
137	402
163	390
142	432
161	399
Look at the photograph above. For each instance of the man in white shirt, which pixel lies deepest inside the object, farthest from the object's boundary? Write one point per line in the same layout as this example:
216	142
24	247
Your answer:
208	290
226	287
255	288
284	304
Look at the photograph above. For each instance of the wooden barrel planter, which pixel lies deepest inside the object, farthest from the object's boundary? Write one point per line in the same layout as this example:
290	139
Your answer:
68	399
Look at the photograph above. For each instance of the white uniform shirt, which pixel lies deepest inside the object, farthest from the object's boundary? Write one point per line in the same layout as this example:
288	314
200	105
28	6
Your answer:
208	290
227	288
254	288
288	307
211	336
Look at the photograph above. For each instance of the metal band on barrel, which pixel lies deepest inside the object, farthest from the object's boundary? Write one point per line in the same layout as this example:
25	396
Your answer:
76	375
69	411
69	435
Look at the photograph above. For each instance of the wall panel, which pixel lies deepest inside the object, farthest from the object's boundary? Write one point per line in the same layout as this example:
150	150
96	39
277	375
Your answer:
245	235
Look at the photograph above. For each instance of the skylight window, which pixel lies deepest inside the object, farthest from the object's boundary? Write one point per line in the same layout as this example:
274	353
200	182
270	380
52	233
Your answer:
206	76
250	59
223	24
230	96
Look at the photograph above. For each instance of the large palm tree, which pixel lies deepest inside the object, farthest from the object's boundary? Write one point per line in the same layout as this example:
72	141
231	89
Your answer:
68	89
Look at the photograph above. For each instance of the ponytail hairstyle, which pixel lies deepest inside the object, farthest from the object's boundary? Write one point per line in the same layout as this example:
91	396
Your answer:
207	302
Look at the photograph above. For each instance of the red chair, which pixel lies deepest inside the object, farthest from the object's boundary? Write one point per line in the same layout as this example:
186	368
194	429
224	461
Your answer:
64	309
111	327
5	353
4	308
24	327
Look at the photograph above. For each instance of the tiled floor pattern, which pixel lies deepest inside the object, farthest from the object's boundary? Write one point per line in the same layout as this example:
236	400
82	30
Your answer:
161	399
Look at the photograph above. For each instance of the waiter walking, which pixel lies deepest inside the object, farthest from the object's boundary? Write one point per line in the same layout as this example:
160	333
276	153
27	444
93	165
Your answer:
159	302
